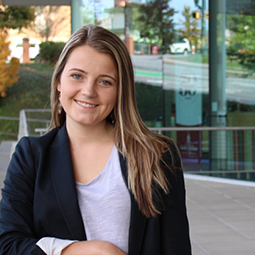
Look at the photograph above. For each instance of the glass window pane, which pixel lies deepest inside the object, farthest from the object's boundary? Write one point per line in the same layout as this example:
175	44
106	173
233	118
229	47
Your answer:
168	44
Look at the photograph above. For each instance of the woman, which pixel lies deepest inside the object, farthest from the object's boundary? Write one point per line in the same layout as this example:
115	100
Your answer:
99	182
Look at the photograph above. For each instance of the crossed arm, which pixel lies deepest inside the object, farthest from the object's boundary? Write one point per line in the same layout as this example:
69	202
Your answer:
92	248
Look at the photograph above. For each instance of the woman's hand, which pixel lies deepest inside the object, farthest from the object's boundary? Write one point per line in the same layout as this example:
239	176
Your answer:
92	248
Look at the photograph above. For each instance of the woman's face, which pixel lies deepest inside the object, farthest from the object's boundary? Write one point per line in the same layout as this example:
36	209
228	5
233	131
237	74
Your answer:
88	86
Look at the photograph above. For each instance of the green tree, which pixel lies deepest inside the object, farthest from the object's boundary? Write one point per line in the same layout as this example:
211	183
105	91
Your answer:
88	15
16	17
241	44
190	30
155	22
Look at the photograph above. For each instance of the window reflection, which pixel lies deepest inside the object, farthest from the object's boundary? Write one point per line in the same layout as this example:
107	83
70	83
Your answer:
240	50
168	43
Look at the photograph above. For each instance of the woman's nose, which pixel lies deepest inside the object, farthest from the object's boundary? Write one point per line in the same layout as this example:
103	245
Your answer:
89	89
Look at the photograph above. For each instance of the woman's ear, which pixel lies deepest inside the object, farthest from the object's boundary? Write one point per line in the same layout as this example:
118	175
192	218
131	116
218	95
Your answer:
59	87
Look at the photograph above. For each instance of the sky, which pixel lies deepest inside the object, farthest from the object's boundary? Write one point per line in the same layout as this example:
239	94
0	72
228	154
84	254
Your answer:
178	5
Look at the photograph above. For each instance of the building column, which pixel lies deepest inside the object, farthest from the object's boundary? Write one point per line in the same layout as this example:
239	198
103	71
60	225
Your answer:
217	82
76	17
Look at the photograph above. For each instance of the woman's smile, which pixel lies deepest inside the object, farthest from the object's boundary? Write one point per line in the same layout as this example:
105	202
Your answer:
84	104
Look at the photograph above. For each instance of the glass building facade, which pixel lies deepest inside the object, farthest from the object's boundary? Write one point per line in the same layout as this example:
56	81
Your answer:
194	63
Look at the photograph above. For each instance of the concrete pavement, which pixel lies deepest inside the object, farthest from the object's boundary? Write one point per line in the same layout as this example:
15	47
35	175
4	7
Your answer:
221	216
5	149
221	212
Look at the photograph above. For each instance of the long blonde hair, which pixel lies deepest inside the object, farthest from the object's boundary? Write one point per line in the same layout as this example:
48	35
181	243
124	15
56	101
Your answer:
141	147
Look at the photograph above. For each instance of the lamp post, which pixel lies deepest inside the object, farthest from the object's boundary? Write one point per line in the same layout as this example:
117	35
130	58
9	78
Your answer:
127	9
203	34
124	5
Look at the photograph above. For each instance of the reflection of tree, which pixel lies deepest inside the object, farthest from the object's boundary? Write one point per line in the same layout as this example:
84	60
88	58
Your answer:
88	16
92	12
155	22
97	11
47	21
191	32
241	42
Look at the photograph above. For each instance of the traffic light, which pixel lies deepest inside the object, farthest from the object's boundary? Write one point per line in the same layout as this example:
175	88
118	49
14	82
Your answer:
206	15
196	15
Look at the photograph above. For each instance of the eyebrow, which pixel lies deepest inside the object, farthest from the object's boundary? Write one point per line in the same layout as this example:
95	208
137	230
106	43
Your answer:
82	71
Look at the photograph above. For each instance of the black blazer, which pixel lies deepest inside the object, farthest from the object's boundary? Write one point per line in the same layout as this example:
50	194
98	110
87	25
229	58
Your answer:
39	199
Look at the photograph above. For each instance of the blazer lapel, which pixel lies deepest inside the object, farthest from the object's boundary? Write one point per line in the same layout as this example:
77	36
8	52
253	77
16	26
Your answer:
137	219
64	184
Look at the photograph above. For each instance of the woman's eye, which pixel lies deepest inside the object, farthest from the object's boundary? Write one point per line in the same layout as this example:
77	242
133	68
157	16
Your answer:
106	82
76	76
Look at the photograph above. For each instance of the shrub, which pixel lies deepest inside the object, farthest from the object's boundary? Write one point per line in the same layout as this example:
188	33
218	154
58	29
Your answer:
7	71
50	51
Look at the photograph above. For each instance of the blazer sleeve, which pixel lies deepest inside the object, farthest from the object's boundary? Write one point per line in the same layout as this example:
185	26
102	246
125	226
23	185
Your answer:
173	220
17	234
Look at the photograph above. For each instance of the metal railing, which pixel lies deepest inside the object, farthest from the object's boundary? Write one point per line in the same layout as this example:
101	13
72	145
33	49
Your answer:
216	151
162	129
25	129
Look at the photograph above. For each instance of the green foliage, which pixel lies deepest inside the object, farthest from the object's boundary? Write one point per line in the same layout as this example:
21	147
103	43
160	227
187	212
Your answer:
50	51
190	30
88	15
31	91
155	22
16	17
241	44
